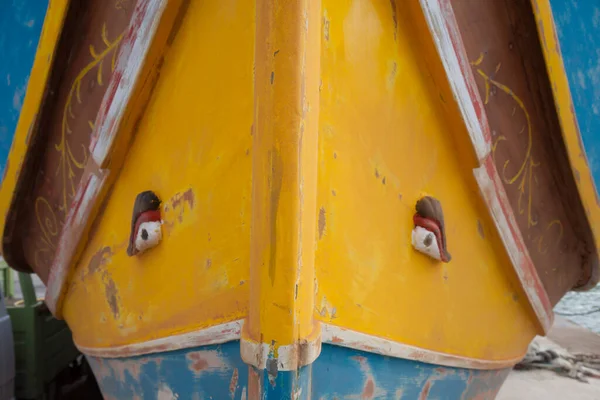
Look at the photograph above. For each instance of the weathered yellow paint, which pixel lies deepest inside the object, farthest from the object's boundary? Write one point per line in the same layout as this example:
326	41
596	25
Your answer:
385	140
284	173
566	114
36	88
198	124
388	132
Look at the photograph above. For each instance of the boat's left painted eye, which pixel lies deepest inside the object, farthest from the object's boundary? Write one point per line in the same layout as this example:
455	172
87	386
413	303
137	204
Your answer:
145	223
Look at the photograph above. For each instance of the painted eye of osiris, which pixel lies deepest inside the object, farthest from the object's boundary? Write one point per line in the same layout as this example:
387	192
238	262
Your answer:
145	223
429	235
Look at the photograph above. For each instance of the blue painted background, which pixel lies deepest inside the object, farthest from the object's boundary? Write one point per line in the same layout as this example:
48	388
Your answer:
578	26
20	28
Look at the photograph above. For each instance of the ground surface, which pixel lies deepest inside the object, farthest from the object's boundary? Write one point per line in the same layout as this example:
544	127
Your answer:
547	385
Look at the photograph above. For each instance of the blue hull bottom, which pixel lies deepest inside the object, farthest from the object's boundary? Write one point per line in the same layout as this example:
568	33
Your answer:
218	372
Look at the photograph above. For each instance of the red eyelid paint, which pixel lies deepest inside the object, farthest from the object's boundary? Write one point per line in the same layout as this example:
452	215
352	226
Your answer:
433	227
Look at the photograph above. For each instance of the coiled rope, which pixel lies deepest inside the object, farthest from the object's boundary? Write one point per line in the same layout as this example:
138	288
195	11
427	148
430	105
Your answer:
576	366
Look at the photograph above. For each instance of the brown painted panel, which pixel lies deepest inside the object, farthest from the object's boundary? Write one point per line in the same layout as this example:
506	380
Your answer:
84	65
502	44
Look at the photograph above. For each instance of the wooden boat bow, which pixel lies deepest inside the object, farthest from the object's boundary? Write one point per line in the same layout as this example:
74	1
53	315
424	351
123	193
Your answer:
280	153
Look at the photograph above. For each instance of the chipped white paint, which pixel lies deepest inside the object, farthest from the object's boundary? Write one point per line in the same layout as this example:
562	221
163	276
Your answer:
217	334
496	199
148	236
128	72
89	195
165	393
297	394
338	336
289	357
201	361
257	354
425	242
444	30
74	227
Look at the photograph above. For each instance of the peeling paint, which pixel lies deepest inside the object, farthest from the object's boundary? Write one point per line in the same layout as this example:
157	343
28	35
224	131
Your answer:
217	334
177	204
111	293
326	24
322	221
75	227
338	373
123	367
233	384
424	395
495	196
333	334
369	389
394	18
186	197
98	260
203	360
480	230
165	393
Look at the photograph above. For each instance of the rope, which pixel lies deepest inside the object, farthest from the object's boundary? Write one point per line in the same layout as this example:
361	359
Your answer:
578	366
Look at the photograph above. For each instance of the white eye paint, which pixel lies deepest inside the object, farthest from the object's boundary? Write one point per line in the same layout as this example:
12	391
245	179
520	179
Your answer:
424	242
148	235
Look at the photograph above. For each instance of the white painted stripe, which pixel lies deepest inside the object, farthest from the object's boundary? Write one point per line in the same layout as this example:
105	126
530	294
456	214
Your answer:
494	196
289	357
217	334
129	66
256	354
70	237
437	20
338	336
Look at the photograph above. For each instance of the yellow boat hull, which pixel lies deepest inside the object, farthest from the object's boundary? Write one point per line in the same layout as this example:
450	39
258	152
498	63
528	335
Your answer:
289	144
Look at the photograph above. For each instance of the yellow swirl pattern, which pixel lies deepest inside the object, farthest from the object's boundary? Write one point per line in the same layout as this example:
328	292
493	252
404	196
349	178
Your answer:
48	225
68	162
525	175
47	220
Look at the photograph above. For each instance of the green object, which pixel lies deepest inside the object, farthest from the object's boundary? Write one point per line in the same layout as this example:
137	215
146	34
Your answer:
43	345
8	284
